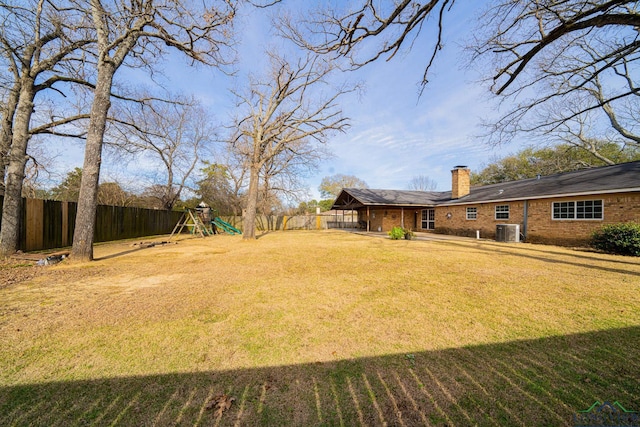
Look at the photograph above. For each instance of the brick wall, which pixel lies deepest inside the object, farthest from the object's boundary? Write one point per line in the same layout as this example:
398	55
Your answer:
623	207
541	228
384	219
453	219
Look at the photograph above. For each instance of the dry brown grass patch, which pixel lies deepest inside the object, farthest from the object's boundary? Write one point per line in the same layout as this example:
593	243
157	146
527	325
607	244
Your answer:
317	328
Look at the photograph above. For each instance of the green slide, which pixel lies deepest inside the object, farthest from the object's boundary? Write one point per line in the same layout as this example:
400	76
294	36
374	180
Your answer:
225	226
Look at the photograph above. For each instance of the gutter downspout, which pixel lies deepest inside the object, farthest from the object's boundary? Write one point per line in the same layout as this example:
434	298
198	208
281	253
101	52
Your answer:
525	213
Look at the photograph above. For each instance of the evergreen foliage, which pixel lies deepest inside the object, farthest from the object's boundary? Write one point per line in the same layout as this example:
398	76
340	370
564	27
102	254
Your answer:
620	239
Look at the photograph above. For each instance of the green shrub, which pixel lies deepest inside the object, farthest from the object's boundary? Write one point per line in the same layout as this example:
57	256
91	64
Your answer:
396	233
621	239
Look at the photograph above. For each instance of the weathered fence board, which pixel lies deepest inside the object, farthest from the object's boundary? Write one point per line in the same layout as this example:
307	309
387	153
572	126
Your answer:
297	222
35	224
48	224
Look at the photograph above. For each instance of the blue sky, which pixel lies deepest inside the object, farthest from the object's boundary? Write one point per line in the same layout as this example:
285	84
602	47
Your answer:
394	135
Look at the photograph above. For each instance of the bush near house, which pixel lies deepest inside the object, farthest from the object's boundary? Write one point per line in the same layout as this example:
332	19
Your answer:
621	239
396	233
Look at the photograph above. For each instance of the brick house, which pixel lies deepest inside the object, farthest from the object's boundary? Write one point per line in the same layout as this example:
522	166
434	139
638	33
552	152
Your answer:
558	209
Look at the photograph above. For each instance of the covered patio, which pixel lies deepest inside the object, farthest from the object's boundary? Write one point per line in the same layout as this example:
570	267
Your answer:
381	210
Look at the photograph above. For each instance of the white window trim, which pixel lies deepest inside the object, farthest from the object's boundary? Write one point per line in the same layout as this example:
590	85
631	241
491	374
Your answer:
575	210
508	212
467	213
427	221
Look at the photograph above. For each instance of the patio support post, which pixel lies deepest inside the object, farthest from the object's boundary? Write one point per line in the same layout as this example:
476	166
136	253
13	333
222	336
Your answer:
368	219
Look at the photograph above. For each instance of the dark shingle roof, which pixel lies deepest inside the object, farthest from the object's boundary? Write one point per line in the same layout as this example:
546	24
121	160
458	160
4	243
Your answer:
606	179
352	198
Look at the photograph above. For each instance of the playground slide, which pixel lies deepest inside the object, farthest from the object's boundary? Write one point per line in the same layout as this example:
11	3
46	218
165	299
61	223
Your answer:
225	226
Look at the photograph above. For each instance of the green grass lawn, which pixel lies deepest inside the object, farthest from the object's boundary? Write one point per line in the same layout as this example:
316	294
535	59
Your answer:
321	328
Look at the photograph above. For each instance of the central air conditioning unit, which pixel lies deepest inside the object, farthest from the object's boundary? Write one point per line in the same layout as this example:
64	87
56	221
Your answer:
508	233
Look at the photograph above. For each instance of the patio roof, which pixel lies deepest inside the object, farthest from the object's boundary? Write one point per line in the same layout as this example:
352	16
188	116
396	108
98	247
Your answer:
354	198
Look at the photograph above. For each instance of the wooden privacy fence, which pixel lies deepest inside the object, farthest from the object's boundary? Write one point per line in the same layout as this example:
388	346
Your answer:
48	224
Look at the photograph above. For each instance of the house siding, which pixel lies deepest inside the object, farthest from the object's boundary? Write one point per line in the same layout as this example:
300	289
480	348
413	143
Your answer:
617	208
616	186
385	218
540	227
458	224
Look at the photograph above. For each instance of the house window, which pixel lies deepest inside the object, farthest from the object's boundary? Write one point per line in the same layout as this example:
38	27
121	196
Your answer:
502	212
472	213
429	219
564	210
589	209
584	209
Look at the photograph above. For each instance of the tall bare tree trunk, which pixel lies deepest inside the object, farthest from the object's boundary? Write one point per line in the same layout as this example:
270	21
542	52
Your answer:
9	110
83	235
170	198
249	219
11	209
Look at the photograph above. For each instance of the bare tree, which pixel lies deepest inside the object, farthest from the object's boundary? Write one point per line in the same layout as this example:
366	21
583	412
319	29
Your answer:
536	51
563	63
36	39
140	29
283	174
571	120
516	35
522	33
284	119
230	174
392	25
422	183
173	134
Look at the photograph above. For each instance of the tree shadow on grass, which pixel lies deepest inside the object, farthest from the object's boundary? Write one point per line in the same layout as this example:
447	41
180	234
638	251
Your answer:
581	257
533	382
547	256
577	253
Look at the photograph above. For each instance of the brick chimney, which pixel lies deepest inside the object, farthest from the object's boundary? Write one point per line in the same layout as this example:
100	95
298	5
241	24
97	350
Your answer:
460	181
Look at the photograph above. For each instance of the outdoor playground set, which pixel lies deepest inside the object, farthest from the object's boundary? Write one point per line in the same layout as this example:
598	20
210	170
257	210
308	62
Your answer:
200	222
